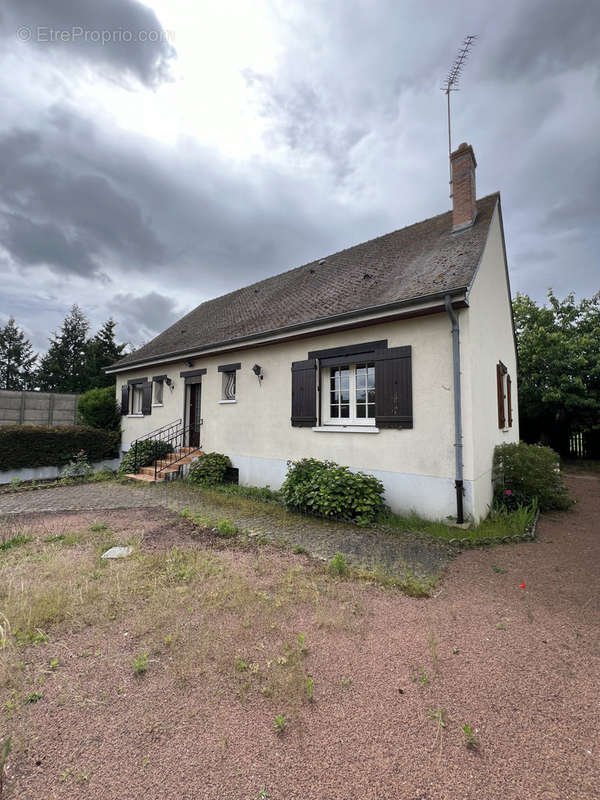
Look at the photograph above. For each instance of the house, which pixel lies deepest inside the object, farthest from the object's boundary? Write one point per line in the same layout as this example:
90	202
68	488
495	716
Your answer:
396	357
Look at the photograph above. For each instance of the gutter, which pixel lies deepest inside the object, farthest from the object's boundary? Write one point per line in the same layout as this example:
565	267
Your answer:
458	437
274	335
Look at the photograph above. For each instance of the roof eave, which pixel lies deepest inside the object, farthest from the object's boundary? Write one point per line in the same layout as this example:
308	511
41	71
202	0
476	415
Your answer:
275	334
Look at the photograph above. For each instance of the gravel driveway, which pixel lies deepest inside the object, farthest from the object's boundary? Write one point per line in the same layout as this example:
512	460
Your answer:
396	554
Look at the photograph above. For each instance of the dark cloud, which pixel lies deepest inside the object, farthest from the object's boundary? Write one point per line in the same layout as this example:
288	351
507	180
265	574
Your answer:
142	316
122	38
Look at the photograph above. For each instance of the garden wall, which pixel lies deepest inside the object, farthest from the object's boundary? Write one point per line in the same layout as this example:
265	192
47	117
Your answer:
37	408
49	473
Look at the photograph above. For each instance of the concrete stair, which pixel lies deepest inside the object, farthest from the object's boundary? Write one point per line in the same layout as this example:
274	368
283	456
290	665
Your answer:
170	463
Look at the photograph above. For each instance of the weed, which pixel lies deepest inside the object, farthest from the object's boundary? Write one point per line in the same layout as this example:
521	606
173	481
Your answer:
241	665
440	716
226	529
280	723
298	550
301	639
346	683
98	527
4	753
455	651
471	739
54	663
82	778
310	689
33	697
500	626
262	795
140	664
498	570
52	539
421	677
66	775
26	637
338	565
16	541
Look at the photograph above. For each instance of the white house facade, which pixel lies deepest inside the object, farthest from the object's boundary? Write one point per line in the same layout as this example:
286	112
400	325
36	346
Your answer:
420	318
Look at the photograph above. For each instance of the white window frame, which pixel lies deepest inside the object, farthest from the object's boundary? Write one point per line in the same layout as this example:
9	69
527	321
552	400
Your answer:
352	420
158	390
137	399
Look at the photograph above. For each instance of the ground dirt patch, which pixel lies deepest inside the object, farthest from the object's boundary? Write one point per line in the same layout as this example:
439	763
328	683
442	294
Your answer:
162	674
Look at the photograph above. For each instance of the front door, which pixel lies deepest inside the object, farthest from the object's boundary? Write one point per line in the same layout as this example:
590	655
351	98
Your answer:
194	414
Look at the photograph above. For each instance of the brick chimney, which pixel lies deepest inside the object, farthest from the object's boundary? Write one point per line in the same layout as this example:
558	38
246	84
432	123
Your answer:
464	208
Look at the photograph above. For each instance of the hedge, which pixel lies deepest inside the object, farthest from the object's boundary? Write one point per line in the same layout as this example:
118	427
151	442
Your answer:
526	473
40	446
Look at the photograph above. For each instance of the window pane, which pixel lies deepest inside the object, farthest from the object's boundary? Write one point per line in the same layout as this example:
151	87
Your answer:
371	378
345	396
371	395
335	411
360	412
371	408
361	395
345	411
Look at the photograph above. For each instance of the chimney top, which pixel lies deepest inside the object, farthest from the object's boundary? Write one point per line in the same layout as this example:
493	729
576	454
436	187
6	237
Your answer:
464	208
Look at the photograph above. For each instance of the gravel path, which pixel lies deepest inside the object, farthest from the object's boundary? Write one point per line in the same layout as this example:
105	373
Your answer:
520	665
397	554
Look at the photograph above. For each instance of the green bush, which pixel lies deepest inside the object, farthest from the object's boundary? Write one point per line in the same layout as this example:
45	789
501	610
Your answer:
39	446
148	452
526	473
98	408
326	489
209	469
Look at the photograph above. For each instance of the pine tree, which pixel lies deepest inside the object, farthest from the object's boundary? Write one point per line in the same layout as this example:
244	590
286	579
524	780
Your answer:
17	359
102	352
64	368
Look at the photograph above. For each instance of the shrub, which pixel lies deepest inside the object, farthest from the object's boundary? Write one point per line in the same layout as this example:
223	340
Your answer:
226	529
41	446
327	489
78	467
525	473
338	564
98	408
148	452
209	469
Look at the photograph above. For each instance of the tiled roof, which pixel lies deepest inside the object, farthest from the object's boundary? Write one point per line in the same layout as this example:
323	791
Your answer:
410	263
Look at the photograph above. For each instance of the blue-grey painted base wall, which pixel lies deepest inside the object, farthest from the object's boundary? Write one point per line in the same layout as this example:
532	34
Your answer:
49	473
430	497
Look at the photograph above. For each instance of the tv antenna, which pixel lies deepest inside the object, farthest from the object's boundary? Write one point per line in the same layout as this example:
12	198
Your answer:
451	85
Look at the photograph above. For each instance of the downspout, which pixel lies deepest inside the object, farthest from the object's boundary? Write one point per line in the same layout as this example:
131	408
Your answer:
458	437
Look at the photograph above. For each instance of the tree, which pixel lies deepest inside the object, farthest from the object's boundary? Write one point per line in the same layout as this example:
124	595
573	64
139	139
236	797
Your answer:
64	368
98	408
559	367
102	352
17	359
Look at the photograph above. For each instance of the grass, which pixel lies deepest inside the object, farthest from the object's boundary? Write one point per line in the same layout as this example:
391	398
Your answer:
497	526
15	541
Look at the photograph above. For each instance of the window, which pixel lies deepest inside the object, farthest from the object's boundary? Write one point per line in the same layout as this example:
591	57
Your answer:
229	382
228	389
157	386
503	387
350	394
137	395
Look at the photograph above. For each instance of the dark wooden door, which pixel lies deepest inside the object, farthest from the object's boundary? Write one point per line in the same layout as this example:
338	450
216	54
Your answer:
195	415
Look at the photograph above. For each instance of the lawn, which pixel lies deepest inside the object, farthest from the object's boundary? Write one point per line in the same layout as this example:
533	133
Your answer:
207	666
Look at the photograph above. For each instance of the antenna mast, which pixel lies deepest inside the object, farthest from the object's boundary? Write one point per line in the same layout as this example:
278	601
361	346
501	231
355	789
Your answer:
451	85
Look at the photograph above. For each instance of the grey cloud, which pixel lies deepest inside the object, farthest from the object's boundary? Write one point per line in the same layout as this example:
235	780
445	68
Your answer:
141	59
143	316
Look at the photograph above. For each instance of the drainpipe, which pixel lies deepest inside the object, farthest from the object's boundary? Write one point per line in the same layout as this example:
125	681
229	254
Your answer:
458	445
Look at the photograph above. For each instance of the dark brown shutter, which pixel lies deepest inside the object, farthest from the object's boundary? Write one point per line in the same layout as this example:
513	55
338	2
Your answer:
304	393
125	400
509	400
393	388
500	393
147	397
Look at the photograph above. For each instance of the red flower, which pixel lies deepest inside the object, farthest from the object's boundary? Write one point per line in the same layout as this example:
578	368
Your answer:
508	492
522	585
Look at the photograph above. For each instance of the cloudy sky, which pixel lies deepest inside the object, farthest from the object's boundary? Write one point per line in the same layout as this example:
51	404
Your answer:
154	156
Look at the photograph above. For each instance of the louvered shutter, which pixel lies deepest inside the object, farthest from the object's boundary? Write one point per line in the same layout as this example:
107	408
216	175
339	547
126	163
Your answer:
509	400
304	393
147	397
500	393
124	400
393	388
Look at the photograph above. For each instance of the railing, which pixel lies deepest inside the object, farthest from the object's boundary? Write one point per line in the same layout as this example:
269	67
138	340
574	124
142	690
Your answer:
180	438
162	434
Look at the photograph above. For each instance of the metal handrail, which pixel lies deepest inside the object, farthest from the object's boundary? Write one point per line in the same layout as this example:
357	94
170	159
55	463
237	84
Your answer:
177	440
161	434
